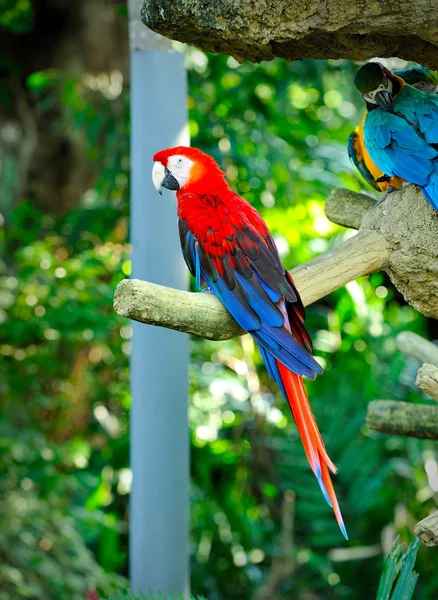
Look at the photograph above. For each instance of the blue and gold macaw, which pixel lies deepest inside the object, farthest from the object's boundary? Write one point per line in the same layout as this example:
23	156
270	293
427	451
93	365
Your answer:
419	77
400	128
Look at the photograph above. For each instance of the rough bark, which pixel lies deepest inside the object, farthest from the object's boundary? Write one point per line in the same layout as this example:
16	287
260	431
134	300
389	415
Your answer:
261	30
415	346
410	226
427	530
403	418
348	208
203	315
427	380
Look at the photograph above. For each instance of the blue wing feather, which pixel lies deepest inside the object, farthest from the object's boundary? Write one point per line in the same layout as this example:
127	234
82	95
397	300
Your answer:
431	189
382	134
274	296
272	368
197	268
254	303
421	109
403	146
429	124
260	301
243	313
403	153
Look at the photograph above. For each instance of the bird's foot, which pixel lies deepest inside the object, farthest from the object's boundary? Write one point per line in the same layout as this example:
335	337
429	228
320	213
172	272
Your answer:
384	196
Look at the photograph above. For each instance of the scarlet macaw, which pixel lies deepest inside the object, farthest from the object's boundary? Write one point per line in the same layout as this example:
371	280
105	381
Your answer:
228	247
401	128
419	77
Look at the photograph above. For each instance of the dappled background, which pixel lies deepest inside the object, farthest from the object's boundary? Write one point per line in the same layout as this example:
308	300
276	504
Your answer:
259	526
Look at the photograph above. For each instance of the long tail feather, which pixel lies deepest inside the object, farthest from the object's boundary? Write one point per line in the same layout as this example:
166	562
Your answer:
293	388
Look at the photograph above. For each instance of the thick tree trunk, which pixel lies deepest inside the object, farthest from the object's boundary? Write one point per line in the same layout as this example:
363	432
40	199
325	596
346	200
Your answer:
42	155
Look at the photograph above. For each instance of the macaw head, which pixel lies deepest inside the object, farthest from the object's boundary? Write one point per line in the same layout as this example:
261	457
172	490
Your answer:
421	78
184	168
378	85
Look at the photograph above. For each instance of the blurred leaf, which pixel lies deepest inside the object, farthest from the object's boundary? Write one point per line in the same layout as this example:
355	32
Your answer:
398	568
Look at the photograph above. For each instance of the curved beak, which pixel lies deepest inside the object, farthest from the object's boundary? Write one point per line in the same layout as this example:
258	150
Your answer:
163	178
384	100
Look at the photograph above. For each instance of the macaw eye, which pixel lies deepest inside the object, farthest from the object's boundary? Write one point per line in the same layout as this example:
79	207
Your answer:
422	84
179	161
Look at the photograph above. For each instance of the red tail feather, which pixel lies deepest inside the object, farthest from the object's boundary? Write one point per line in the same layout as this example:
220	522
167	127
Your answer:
311	437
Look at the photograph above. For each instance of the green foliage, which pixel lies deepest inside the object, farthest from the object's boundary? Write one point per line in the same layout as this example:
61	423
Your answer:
43	553
279	131
398	579
64	363
16	15
58	360
130	596
285	155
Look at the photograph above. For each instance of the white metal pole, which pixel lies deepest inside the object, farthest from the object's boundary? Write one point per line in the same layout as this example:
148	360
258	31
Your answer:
159	525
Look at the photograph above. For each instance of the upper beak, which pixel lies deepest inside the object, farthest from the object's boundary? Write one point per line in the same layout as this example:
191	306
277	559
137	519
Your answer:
384	99
158	176
162	177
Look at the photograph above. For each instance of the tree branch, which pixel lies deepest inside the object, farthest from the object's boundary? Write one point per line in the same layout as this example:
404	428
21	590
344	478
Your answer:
284	564
427	530
403	418
427	380
348	208
198	314
203	315
400	236
415	346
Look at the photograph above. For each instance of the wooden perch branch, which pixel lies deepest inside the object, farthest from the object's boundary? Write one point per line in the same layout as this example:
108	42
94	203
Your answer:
427	530
203	315
413	420
403	418
427	380
195	313
348	208
415	346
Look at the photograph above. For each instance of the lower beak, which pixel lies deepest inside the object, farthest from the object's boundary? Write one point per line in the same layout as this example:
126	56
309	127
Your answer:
163	178
384	99
169	181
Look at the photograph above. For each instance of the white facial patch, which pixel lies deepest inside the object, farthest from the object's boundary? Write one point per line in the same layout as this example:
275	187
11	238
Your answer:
426	86
180	167
370	97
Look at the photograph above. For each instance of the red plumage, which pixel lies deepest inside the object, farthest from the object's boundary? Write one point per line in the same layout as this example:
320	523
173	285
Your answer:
227	245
